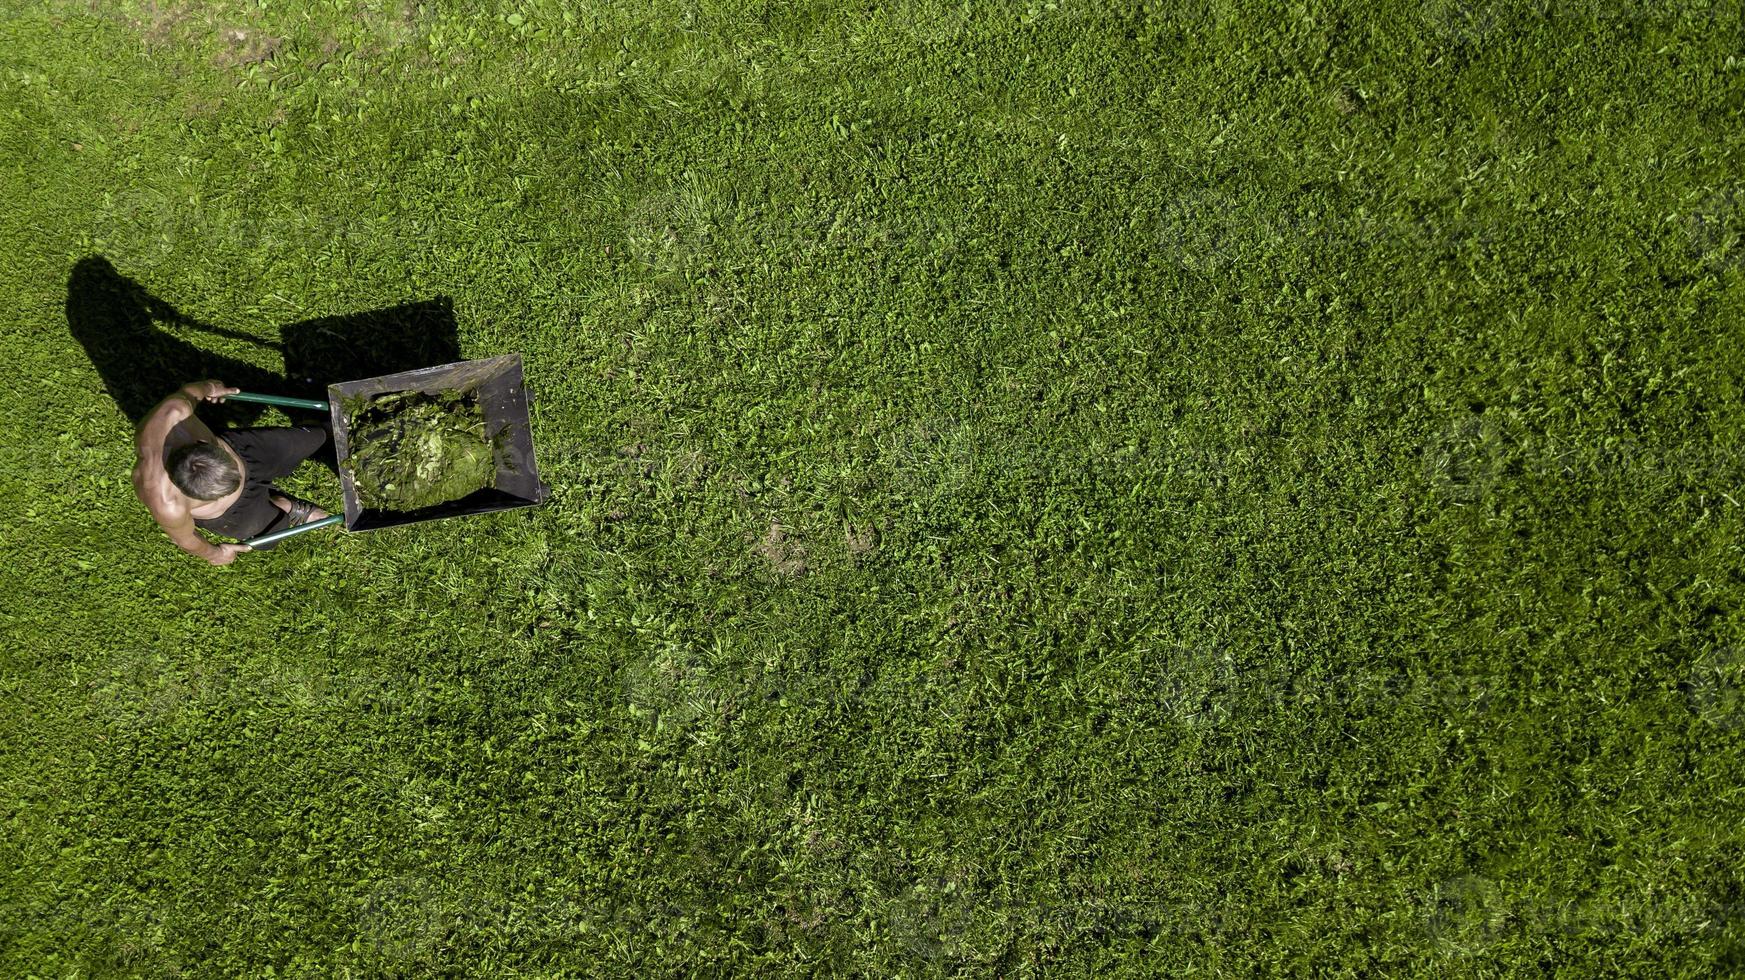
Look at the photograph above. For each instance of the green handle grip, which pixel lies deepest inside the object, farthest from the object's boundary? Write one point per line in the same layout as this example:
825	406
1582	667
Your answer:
293	531
279	400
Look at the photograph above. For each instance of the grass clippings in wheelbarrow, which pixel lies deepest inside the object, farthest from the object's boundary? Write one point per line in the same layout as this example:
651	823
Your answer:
411	450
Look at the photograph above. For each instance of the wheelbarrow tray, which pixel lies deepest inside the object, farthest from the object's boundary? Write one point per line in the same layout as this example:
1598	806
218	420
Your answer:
496	382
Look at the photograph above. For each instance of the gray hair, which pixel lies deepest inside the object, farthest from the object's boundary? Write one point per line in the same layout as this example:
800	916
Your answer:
204	471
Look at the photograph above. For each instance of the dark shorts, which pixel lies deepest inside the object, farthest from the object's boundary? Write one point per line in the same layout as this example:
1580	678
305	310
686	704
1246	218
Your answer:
268	454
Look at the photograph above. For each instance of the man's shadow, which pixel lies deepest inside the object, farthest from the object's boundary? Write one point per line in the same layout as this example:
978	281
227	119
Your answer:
137	344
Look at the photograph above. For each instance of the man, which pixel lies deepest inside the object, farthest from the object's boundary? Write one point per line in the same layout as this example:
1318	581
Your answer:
189	478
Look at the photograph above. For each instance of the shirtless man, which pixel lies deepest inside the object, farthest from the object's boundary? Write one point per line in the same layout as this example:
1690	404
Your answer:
190	478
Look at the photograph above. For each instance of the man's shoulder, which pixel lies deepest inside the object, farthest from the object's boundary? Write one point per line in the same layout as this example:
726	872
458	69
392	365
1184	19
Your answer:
152	486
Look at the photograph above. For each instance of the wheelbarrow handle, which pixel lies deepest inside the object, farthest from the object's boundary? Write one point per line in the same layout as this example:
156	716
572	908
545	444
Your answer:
279	400
293	531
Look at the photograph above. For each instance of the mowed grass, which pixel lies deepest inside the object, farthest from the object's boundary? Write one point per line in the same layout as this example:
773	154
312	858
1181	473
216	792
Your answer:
1071	488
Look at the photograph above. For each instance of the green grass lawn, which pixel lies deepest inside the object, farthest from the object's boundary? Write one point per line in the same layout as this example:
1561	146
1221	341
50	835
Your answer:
1071	488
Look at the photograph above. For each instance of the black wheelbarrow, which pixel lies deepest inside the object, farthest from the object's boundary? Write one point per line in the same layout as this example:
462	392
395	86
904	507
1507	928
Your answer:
496	383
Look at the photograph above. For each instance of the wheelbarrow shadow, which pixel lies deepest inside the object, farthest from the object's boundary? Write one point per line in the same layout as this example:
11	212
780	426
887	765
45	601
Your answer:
141	347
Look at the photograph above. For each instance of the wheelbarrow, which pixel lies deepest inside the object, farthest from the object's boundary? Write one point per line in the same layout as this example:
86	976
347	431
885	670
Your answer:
497	384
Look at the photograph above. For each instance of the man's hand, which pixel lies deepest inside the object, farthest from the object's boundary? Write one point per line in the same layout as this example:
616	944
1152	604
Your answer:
224	554
212	391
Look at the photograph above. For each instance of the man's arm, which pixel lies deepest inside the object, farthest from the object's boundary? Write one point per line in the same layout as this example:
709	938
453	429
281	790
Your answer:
177	523
152	483
158	424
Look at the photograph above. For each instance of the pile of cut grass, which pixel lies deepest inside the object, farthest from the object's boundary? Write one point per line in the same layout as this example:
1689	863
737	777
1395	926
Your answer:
411	450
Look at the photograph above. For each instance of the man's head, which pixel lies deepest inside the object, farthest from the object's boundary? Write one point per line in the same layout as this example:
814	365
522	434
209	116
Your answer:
204	471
